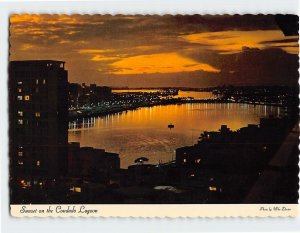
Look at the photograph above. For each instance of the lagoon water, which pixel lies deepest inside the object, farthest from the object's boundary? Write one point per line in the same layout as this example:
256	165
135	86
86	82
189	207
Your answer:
145	132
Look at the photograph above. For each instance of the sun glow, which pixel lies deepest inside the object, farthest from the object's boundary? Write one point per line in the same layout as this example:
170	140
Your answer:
159	63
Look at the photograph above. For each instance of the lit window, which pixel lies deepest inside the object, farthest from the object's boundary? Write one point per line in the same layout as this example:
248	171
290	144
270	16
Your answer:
23	183
19	90
27	97
20	82
20	122
20	113
38	163
77	189
212	188
20	162
37	81
20	153
197	160
184	160
20	97
37	114
44	81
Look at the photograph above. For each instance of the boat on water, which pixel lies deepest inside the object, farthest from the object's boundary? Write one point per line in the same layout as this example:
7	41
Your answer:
171	126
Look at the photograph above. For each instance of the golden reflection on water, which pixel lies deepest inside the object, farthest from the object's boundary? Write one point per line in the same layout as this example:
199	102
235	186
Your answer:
145	132
135	90
197	95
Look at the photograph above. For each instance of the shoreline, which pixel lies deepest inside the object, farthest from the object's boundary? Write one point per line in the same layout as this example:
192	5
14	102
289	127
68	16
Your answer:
98	113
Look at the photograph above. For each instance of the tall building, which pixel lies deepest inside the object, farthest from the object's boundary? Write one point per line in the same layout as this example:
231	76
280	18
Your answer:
38	127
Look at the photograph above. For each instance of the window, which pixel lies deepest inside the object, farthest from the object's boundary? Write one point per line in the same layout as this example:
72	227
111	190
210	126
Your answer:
36	81
20	153
27	97
20	122
20	97
197	160
77	189
20	82
184	160
37	90
20	162
37	114
38	163
20	113
44	81
19	90
212	188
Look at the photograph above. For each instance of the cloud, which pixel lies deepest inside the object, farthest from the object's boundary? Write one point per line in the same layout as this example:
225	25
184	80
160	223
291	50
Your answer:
159	63
179	79
95	51
233	41
27	46
290	44
271	66
291	39
103	58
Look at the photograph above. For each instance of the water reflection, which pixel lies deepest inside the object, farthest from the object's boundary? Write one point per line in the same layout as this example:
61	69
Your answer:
196	94
145	132
82	123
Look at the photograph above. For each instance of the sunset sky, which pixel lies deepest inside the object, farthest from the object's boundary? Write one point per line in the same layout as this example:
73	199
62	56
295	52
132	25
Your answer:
154	51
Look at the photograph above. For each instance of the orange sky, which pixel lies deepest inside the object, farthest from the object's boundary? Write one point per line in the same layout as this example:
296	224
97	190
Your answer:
147	50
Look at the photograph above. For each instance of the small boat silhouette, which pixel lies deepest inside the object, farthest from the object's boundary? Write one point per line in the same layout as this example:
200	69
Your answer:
171	126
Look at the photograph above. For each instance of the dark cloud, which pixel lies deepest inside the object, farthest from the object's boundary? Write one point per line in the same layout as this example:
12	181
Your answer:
260	67
180	79
253	66
215	23
291	40
79	27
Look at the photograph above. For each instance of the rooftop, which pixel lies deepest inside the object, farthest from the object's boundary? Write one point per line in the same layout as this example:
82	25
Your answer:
37	61
40	63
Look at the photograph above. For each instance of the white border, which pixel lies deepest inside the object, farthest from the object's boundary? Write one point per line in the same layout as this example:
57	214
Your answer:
153	6
9	224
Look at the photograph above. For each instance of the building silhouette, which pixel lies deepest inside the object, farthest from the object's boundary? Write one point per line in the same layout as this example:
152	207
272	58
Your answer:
84	160
38	127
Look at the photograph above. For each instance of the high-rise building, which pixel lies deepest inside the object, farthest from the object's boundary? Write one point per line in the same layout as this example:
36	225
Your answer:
38	127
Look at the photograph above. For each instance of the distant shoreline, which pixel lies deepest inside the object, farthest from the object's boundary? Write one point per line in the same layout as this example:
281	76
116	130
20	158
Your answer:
97	113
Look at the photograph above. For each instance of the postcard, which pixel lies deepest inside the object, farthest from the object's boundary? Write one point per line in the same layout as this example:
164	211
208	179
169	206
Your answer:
153	115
